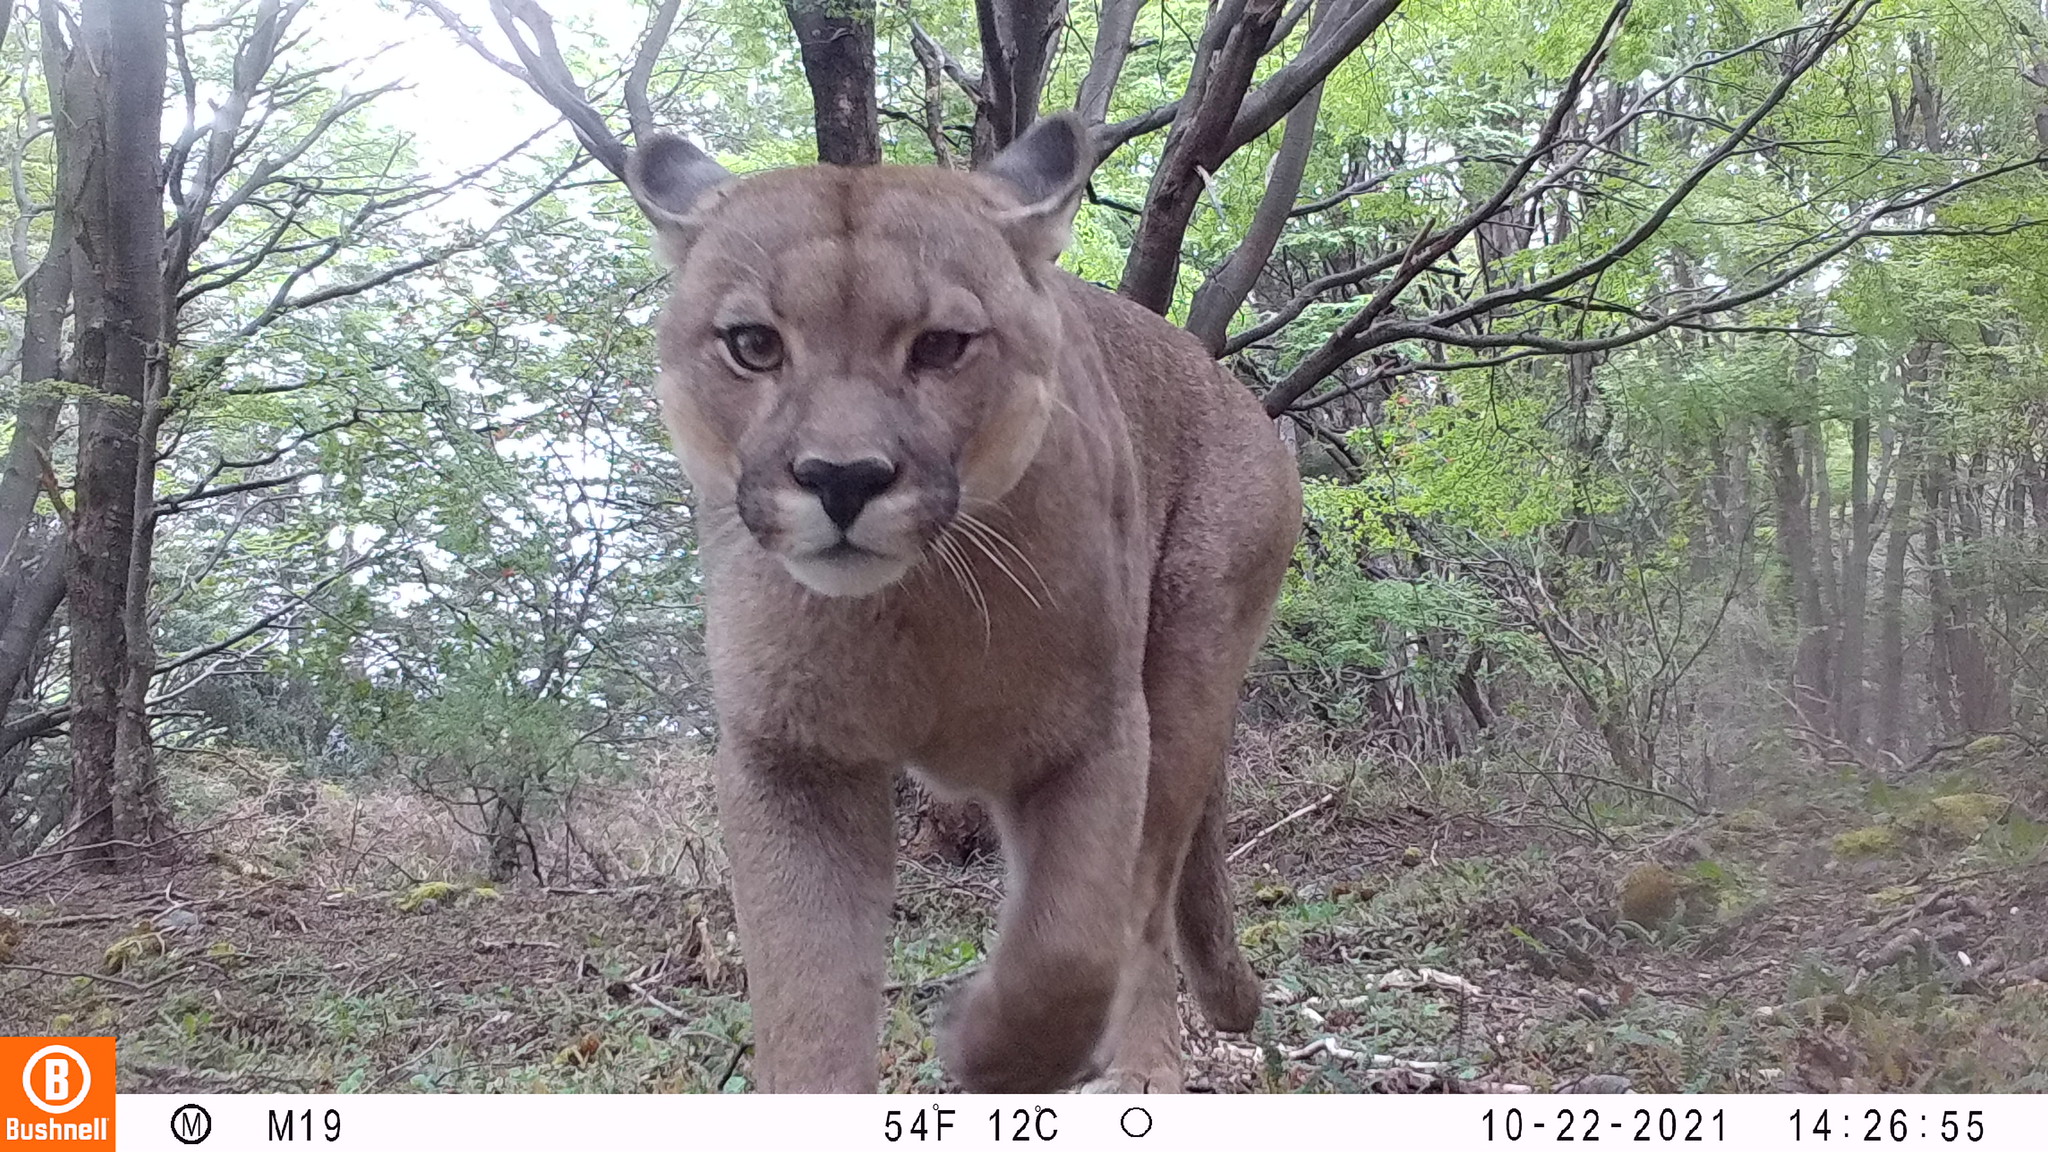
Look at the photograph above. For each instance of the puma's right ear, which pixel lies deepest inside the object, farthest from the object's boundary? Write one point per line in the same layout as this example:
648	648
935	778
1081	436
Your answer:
673	181
1045	170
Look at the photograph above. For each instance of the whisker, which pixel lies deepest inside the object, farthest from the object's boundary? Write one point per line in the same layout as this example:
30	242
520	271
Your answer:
990	530
943	549
969	583
1061	402
975	531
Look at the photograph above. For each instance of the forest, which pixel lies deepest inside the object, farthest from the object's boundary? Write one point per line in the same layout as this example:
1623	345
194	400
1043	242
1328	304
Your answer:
1658	699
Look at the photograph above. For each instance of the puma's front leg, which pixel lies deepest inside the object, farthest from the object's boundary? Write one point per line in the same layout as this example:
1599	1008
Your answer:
812	849
1032	1021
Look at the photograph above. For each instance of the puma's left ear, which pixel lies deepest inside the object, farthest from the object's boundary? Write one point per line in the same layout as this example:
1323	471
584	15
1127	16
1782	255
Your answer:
673	181
1044	171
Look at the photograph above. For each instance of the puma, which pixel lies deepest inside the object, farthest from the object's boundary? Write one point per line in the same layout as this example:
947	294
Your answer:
962	513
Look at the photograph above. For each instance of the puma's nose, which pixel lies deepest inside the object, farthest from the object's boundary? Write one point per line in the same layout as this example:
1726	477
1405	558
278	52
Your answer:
844	488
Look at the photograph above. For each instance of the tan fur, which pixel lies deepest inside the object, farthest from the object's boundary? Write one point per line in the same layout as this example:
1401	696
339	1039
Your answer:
1071	654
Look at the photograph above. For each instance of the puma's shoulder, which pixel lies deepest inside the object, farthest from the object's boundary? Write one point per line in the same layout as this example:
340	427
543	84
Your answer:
1181	405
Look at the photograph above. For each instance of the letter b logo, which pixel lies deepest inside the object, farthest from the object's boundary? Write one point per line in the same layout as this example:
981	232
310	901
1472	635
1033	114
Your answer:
56	1079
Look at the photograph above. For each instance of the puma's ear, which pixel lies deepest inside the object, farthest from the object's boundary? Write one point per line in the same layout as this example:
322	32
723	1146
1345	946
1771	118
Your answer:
673	182
1044	170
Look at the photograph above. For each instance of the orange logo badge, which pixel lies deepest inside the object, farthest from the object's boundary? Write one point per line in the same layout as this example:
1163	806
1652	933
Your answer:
57	1091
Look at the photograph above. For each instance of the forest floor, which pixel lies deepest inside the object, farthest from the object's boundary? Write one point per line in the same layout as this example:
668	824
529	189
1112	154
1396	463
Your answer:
1833	933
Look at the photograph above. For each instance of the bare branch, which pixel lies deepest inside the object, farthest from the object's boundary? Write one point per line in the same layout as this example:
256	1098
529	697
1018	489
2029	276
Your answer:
924	45
467	35
283	304
1232	43
1114	21
639	117
269	620
550	76
1227	285
1286	87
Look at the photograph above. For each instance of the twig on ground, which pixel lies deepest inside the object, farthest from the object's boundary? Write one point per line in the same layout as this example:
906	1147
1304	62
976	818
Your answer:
1335	1048
1428	1073
1945	881
391	1076
1407	980
489	946
920	986
1258	838
732	1066
115	980
675	1013
1723	978
140	846
84	918
626	891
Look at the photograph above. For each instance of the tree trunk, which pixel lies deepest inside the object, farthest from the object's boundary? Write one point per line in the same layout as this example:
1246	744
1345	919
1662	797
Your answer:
1825	571
1795	538
1983	702
837	40
1016	38
139	815
504	832
33	556
1941	688
120	325
1849	677
1891	635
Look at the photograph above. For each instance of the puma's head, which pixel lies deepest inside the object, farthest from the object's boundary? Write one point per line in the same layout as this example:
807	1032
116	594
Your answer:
853	354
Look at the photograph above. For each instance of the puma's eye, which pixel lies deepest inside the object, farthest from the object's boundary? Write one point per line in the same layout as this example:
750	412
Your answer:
754	347
938	350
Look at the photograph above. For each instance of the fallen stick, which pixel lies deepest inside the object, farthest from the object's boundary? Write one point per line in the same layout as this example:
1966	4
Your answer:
625	891
84	918
955	975
1335	1048
488	946
1431	1073
115	980
1258	838
675	1013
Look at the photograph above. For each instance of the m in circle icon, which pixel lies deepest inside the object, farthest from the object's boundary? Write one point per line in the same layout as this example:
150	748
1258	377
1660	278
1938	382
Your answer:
191	1124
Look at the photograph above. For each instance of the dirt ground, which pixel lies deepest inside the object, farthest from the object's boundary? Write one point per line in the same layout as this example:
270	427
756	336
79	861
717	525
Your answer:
1834	933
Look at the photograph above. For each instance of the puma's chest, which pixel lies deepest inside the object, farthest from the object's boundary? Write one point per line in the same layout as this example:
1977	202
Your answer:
955	687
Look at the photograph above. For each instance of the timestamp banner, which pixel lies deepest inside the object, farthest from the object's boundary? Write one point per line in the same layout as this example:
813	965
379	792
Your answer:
1133	1123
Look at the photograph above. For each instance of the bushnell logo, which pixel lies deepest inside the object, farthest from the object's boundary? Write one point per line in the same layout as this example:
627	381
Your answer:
67	1090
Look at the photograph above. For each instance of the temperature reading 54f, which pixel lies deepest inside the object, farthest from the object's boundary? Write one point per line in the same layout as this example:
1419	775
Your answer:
924	1124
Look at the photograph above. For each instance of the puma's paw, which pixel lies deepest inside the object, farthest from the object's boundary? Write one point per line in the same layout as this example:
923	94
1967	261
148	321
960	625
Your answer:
1037	1042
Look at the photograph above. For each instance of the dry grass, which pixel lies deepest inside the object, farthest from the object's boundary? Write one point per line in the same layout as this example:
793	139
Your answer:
1417	929
657	824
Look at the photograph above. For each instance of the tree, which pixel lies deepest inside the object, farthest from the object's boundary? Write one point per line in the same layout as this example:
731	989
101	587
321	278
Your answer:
159	309
115	103
837	40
